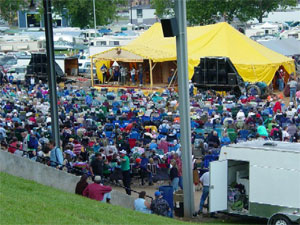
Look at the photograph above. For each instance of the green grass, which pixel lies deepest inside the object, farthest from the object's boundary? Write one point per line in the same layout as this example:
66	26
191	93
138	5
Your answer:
26	202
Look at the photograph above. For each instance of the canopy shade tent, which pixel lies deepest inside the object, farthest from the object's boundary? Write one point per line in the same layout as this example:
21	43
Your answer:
253	61
287	47
118	54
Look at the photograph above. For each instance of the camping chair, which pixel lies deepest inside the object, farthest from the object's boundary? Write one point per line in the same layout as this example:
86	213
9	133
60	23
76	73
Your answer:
219	130
232	134
234	111
244	134
220	109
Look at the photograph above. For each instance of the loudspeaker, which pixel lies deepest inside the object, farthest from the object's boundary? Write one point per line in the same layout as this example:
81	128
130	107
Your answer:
212	76
222	79
37	58
232	78
29	69
38	68
43	58
170	27
44	67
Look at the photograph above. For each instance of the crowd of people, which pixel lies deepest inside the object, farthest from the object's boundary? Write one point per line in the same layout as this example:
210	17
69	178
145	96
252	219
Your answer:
130	133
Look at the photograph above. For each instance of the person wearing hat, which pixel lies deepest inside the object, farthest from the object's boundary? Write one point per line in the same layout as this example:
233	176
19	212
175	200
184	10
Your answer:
98	191
125	167
159	205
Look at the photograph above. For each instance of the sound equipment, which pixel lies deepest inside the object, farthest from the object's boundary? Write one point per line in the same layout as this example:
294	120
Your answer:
232	79
169	27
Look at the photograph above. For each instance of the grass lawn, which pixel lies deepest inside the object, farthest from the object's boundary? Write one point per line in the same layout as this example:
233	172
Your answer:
27	202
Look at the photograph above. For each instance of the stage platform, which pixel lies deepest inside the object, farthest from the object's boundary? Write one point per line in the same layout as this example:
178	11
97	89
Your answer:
147	89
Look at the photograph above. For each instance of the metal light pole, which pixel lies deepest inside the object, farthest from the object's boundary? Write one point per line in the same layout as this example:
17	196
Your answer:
130	11
184	108
51	71
94	7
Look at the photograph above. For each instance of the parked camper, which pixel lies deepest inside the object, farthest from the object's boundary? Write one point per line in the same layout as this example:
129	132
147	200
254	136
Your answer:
257	178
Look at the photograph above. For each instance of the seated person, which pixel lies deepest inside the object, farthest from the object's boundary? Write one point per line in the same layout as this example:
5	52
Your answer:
141	205
98	191
159	205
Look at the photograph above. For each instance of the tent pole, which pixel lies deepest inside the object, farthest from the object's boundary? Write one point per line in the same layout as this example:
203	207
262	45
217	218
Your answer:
92	71
151	75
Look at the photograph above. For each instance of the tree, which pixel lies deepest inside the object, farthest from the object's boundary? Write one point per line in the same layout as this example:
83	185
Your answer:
163	7
9	9
81	11
210	11
258	9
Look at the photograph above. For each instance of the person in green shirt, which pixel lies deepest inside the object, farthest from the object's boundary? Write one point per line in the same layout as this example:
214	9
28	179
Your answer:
125	167
106	169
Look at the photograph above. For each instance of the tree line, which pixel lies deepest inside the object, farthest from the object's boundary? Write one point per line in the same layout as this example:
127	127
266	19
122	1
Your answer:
199	12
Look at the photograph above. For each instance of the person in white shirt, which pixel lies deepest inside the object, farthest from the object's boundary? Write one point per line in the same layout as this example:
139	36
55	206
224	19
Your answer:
204	180
285	134
240	116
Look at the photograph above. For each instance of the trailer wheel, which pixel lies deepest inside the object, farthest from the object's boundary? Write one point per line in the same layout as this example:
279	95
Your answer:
280	220
253	86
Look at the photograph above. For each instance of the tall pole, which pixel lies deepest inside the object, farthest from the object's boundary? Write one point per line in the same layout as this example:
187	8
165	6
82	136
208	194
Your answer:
51	71
130	11
184	108
94	8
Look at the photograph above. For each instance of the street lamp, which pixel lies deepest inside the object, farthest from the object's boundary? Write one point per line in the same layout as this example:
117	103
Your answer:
94	7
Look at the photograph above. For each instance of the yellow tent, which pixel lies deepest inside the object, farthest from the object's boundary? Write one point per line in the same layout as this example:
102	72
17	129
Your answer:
253	61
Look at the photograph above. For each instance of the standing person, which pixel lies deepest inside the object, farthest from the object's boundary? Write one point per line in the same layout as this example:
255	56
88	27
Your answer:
293	88
98	191
125	167
116	74
140	72
204	181
174	175
132	73
141	205
281	80
123	74
32	82
179	168
1	78
96	167
81	185
159	205
18	82
56	156
171	75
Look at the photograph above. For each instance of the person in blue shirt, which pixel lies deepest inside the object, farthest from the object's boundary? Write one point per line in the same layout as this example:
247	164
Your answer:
144	169
141	205
56	156
225	139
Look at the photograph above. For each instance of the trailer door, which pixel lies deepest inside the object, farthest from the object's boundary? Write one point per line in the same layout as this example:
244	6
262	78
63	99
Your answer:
218	186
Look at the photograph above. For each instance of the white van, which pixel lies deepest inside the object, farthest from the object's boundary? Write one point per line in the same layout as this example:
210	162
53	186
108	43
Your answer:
257	178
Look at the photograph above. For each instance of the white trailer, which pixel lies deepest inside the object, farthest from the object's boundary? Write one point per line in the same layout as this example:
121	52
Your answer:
257	178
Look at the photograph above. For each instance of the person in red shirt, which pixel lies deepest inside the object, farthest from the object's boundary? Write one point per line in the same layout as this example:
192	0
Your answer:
98	191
